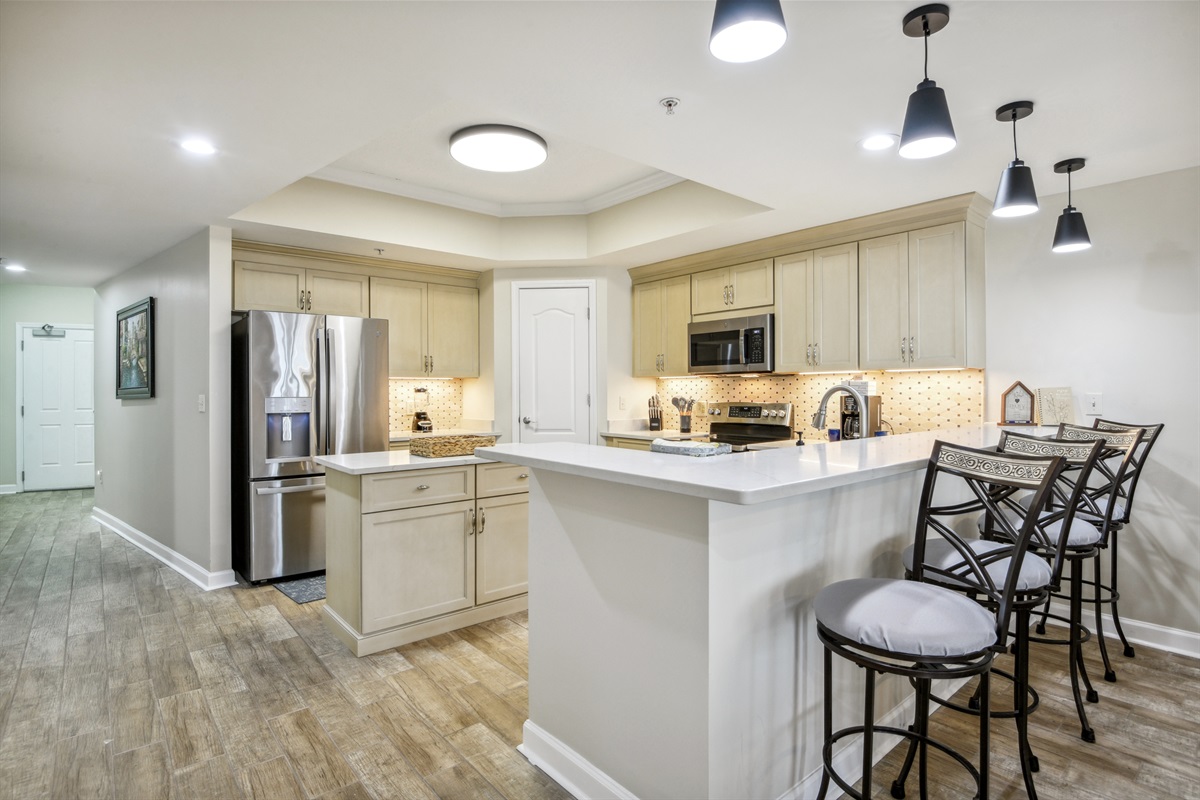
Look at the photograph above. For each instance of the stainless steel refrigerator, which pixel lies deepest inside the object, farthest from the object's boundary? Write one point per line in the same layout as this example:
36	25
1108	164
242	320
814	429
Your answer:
304	385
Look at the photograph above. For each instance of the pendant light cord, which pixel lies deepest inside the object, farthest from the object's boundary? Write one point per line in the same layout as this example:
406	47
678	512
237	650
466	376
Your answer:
925	27
1014	124
1069	188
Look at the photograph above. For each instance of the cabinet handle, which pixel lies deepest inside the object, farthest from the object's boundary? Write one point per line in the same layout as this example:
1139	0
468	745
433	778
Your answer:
808	355
422	487
731	294
431	363
482	519
911	341
471	527
817	354
308	301
903	343
523	476
300	300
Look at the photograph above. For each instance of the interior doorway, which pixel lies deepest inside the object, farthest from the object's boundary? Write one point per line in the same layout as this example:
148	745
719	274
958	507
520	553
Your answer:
56	437
554	362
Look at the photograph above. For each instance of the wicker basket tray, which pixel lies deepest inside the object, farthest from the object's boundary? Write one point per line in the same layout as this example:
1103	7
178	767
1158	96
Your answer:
443	446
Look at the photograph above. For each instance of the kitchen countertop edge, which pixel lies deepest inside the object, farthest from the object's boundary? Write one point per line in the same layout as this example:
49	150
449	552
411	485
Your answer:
392	461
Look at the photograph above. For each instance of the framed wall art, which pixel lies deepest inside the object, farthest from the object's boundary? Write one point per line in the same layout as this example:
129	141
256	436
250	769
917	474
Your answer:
135	351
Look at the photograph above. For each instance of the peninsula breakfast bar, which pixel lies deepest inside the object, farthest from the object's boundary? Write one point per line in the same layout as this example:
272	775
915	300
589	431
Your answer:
672	646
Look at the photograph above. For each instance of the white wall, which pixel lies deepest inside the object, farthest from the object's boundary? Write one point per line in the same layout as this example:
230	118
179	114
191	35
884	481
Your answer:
490	397
1122	318
41	304
165	464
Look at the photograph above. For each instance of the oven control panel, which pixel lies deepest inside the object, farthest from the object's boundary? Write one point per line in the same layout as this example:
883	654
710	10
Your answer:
752	413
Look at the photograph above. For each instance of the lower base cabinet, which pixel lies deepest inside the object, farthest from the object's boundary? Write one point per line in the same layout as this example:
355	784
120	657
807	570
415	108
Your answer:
628	444
400	569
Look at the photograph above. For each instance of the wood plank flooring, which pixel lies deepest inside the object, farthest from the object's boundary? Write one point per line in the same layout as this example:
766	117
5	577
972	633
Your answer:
119	679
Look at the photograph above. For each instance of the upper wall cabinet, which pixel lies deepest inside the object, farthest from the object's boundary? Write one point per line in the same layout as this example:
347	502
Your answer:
661	313
921	300
433	330
816	310
275	287
733	288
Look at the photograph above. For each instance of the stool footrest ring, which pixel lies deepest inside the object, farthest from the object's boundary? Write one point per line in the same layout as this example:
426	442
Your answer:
827	753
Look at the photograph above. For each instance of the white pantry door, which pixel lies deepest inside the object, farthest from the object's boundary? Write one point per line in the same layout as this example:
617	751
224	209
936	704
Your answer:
58	420
554	365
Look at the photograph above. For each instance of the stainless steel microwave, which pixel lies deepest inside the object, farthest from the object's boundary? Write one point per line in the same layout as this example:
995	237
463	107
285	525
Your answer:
737	344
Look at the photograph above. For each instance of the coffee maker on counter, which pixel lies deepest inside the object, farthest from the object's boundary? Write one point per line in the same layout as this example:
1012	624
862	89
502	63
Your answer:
422	423
857	423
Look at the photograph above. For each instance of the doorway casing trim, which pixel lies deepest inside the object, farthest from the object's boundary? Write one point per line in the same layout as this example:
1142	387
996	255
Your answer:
19	423
515	360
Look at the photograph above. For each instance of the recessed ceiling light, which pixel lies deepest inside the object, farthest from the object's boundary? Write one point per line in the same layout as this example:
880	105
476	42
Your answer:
201	147
498	148
879	141
14	268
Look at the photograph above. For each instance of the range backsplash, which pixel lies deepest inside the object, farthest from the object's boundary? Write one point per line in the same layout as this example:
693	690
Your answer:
912	401
445	402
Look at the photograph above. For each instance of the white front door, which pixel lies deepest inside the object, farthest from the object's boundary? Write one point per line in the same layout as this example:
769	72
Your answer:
58	420
554	365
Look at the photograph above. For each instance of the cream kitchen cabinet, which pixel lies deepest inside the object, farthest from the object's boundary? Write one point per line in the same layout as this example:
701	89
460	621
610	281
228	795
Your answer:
277	287
416	552
433	330
921	300
733	288
661	313
816	310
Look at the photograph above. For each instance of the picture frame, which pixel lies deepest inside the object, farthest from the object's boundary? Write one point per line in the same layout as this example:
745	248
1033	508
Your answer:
135	351
1016	405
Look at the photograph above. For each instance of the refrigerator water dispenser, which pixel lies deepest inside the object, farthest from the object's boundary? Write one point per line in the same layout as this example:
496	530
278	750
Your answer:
289	428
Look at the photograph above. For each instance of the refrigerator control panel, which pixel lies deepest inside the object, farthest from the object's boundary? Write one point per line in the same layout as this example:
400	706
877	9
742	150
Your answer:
289	405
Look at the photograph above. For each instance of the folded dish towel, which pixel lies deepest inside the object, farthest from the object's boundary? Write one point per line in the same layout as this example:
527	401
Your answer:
689	448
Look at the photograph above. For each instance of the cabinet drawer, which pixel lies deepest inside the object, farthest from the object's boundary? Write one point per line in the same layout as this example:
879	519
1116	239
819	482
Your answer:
422	487
492	480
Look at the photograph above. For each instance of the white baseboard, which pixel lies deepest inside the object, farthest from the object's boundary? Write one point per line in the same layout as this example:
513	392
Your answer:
8	488
182	564
1159	637
580	777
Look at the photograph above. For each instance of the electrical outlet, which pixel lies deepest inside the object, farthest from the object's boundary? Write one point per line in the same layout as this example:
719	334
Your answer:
621	403
200	404
1094	404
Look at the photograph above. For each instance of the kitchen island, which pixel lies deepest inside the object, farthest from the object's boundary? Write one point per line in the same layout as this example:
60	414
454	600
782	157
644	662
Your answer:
672	646
418	546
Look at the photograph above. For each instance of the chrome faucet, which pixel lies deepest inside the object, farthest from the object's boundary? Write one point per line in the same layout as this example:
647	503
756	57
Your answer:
818	420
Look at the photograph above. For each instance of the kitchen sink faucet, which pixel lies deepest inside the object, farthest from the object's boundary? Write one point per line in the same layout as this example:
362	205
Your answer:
818	420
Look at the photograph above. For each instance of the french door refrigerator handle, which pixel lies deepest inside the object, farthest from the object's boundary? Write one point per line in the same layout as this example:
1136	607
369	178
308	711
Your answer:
330	434
322	411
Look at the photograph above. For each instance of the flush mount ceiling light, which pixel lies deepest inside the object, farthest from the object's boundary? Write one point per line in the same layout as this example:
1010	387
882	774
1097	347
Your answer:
201	147
928	130
13	267
746	30
498	148
1015	196
879	141
1071	234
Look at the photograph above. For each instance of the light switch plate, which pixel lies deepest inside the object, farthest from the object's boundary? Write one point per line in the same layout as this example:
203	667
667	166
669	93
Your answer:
200	404
1093	404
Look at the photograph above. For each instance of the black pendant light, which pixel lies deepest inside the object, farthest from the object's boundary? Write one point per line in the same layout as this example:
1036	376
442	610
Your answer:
928	130
1016	196
746	30
1071	234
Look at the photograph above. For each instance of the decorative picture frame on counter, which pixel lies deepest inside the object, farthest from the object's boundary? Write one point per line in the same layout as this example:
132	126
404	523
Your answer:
135	351
1016	405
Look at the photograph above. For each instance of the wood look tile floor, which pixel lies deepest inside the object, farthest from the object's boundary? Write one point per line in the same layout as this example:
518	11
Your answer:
120	679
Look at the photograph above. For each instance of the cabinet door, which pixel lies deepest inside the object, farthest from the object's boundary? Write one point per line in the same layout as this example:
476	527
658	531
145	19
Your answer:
676	314
937	295
502	548
793	307
752	284
453	333
339	293
883	302
710	291
432	548
835	308
267	287
402	304
647	329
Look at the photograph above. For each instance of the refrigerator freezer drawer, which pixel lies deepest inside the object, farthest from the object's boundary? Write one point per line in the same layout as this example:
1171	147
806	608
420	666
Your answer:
286	530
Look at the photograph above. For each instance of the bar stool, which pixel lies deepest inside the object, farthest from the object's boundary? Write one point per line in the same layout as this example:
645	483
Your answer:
1101	508
922	630
1109	593
1035	580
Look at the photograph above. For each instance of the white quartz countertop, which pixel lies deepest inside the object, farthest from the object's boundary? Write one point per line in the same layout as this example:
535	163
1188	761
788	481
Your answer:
752	477
674	434
392	461
408	436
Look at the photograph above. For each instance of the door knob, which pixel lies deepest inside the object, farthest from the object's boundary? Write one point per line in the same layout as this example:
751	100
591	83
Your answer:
526	420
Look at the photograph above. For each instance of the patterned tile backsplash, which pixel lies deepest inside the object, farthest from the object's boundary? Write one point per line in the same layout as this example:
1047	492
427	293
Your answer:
912	401
445	402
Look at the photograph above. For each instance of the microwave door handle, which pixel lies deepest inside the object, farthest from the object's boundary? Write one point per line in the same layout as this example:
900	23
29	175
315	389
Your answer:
742	348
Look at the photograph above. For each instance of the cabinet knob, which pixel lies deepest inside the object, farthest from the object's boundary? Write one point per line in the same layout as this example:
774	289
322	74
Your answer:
523	476
422	487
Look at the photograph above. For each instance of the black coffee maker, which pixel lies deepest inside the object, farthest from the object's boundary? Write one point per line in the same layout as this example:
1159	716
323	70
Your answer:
422	423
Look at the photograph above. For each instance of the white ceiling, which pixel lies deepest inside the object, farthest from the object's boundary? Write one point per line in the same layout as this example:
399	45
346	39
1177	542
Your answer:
95	95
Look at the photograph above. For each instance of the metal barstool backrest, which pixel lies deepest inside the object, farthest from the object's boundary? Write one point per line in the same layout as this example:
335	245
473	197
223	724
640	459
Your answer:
1112	468
1149	437
992	479
1068	494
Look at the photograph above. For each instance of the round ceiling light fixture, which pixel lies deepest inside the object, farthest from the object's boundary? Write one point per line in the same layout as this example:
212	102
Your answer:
201	147
879	141
498	148
746	30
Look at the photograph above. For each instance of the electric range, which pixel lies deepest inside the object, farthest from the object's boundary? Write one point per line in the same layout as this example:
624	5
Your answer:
745	424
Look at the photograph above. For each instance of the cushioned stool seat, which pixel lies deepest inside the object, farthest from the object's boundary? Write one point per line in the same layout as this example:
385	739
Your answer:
1034	574
905	617
1077	535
